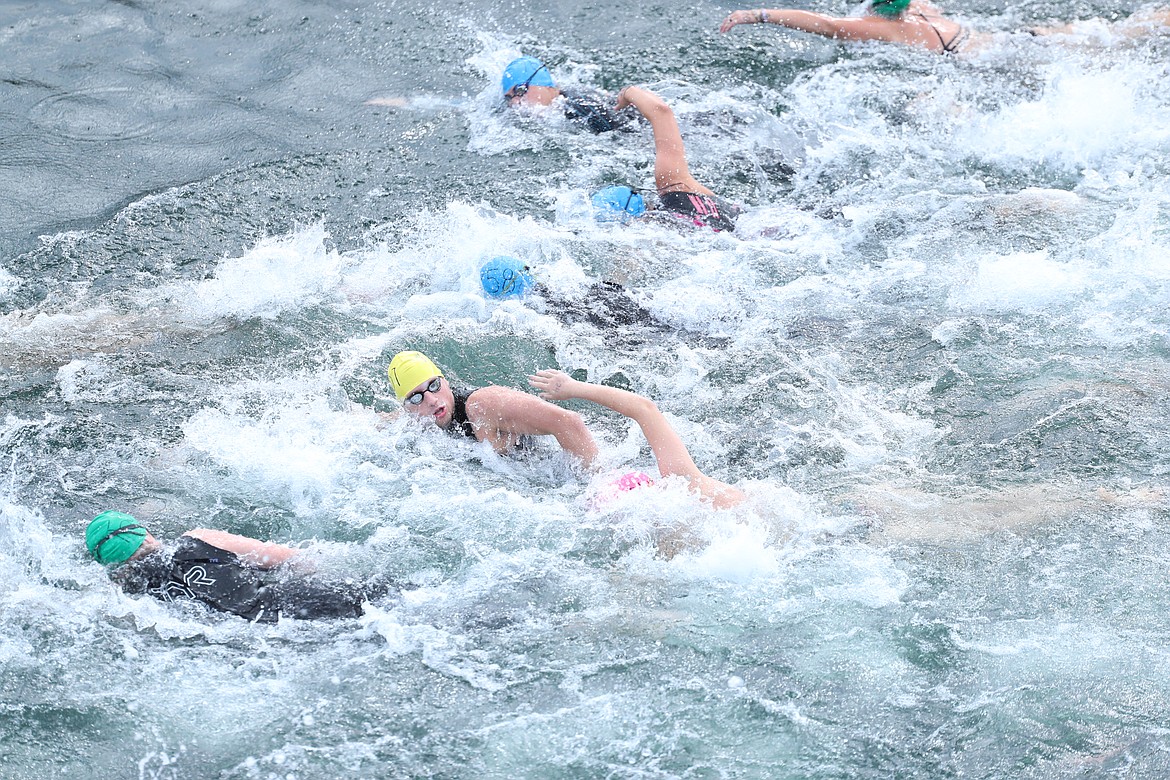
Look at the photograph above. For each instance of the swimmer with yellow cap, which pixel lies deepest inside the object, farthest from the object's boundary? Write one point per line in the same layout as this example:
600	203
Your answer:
498	415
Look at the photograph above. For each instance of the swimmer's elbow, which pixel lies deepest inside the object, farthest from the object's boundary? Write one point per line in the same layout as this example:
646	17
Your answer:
575	437
642	407
575	423
655	109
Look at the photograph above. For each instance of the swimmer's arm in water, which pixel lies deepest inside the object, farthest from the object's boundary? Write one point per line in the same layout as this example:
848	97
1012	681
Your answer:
864	28
1140	24
670	157
669	451
262	555
500	415
387	417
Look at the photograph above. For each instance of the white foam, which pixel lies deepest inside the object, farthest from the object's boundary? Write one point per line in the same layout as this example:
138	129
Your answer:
1081	118
280	273
1029	281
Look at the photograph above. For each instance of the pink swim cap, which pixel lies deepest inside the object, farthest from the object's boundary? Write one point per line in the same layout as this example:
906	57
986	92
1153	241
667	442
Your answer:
631	480
623	483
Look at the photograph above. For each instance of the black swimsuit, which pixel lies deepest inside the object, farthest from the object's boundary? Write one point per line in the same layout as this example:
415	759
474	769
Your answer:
605	304
709	210
592	110
459	422
194	569
461	426
951	46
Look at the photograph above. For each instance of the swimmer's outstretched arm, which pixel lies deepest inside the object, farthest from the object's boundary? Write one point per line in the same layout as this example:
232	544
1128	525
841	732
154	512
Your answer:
670	157
670	452
863	28
262	555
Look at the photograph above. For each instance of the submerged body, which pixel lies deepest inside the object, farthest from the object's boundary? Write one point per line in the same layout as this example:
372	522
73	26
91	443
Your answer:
220	579
256	580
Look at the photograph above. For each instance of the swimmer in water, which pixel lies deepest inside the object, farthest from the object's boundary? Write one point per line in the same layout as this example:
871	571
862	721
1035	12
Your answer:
670	453
606	305
907	514
909	22
528	82
1141	24
258	581
679	194
921	24
498	415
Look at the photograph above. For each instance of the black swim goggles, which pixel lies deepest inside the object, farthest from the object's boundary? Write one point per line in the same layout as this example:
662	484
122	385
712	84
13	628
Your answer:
520	90
414	399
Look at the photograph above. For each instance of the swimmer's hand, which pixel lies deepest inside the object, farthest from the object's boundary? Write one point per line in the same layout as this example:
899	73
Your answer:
622	101
740	17
555	385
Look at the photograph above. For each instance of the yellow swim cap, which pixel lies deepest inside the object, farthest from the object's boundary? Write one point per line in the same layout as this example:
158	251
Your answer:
408	370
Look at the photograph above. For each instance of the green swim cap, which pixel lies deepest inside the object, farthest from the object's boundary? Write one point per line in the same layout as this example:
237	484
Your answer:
112	537
889	7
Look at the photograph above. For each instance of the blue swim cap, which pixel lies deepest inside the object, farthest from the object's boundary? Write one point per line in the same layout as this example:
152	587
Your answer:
505	277
617	204
526	70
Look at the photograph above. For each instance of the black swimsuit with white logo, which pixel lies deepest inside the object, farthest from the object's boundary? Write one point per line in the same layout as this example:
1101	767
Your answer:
194	569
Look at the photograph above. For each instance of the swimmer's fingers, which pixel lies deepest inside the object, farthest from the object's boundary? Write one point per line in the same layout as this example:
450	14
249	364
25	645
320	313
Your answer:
539	381
551	383
734	18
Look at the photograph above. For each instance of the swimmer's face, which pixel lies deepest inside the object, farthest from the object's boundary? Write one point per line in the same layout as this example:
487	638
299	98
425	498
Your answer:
149	545
527	95
432	398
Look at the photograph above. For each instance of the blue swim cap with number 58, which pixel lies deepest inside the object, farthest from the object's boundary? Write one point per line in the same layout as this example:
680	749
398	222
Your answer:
505	277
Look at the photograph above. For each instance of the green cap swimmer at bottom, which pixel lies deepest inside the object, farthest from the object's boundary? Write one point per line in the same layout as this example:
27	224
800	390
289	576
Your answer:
112	537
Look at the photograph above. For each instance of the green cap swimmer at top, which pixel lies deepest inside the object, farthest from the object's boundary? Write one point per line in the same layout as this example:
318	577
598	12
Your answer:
889	7
112	537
